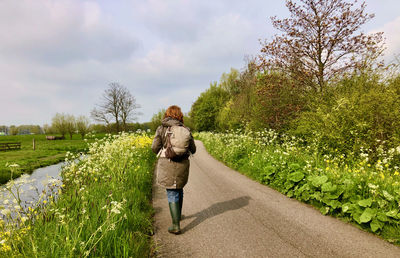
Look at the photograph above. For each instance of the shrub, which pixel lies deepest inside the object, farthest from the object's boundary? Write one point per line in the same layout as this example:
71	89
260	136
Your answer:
358	114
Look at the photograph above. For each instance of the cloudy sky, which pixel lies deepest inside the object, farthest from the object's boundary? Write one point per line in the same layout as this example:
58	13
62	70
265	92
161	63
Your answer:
59	55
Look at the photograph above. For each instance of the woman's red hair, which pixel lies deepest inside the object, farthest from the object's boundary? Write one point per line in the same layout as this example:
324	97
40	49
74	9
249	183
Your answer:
174	112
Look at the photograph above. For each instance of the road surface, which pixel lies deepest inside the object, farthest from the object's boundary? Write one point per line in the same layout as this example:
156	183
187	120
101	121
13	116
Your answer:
229	215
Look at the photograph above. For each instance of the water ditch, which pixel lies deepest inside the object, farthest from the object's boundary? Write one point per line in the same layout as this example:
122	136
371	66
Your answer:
30	190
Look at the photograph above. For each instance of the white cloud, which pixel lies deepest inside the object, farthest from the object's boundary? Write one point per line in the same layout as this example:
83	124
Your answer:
60	32
59	55
52	53
392	38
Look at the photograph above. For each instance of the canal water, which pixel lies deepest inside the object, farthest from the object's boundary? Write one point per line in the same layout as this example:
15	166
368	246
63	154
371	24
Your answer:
30	189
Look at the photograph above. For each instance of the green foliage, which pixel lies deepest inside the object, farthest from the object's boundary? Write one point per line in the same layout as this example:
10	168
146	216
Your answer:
230	82
256	100
188	121
229	117
356	114
238	112
82	125
60	123
205	109
156	120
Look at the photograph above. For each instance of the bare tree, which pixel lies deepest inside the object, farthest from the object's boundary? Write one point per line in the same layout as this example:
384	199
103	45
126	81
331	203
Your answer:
82	125
321	39
128	107
108	109
98	115
117	104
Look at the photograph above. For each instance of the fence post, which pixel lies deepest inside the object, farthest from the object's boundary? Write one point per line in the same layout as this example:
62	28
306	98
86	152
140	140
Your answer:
33	143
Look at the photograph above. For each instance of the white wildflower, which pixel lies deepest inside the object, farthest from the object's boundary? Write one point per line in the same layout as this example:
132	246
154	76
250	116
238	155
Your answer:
115	210
6	212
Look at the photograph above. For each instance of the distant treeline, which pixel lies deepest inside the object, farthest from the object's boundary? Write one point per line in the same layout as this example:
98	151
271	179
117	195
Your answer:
50	129
22	129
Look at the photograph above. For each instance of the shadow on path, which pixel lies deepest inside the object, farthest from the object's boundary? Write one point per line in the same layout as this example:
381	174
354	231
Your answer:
215	210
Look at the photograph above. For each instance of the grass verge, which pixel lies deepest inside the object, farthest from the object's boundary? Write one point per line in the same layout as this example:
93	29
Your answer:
103	209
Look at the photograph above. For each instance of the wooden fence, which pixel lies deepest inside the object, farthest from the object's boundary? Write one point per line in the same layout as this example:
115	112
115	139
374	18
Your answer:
5	146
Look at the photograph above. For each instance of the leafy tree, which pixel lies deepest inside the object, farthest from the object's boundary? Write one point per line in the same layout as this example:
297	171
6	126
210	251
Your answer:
156	119
320	40
36	129
3	129
60	124
238	112
82	125
48	129
228	117
205	109
188	122
13	130
70	125
229	82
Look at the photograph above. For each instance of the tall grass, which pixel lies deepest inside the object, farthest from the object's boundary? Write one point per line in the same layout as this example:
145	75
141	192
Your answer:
355	189
103	208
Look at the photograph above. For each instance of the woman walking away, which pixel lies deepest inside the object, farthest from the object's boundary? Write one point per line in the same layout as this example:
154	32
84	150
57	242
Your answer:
174	143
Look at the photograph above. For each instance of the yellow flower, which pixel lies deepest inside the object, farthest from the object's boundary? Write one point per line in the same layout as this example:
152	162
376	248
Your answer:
5	248
396	173
382	176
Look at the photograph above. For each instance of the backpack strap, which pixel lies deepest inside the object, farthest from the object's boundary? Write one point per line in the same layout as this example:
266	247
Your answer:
168	133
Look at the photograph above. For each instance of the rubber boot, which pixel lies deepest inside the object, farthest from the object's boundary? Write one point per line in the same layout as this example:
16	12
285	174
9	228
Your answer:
175	211
180	207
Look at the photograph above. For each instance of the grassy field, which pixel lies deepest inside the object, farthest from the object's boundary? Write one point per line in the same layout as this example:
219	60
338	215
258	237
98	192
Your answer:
102	210
46	153
355	189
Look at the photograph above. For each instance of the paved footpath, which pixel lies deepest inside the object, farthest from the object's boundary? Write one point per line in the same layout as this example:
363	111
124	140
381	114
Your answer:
229	215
